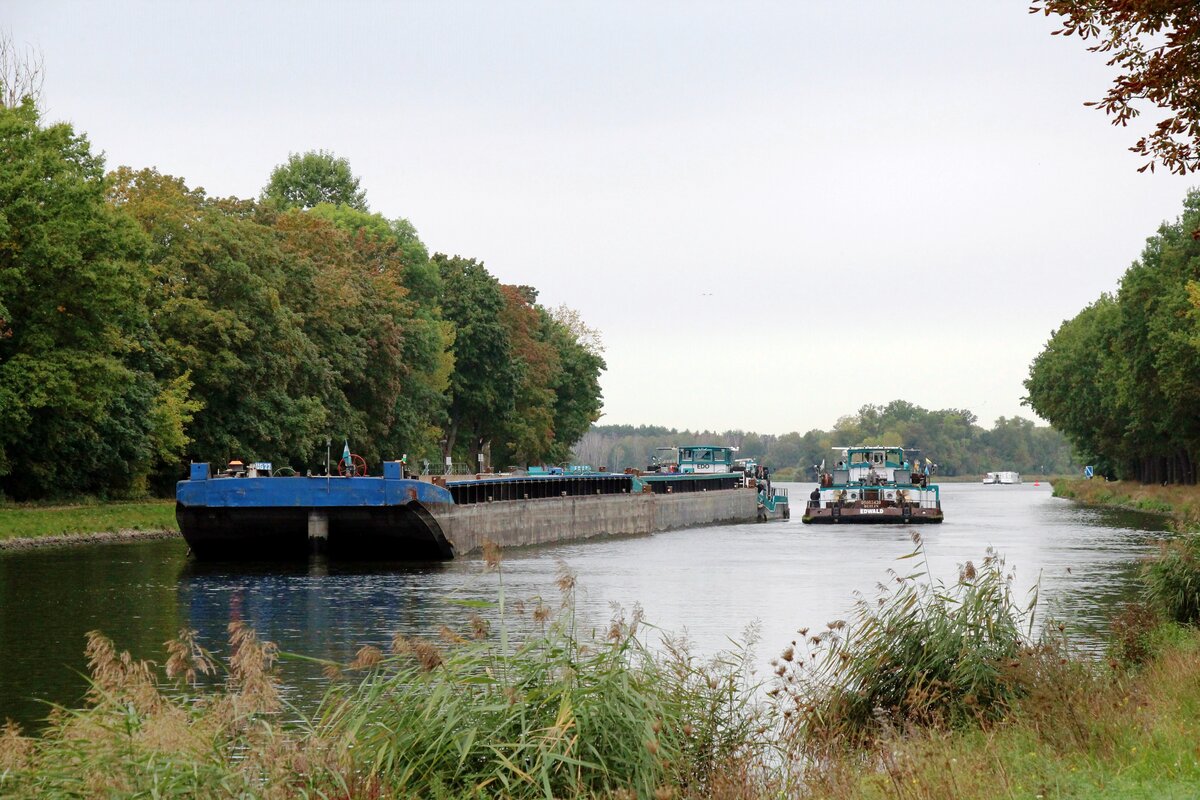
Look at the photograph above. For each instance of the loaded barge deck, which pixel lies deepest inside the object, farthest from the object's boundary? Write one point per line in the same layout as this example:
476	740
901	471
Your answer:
400	517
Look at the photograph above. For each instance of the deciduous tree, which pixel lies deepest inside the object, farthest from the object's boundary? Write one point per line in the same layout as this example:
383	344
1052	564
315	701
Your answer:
1155	47
308	179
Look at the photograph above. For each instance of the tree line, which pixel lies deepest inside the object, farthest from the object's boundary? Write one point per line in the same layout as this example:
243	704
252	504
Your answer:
952	438
1122	378
145	323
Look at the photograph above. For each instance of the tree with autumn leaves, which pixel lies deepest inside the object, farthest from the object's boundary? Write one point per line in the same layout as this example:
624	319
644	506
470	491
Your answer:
144	323
1155	47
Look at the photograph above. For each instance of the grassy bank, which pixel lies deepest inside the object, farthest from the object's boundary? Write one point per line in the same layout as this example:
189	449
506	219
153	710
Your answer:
35	521
927	691
1181	503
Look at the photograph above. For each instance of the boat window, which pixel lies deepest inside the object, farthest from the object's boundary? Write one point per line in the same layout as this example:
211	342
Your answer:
704	455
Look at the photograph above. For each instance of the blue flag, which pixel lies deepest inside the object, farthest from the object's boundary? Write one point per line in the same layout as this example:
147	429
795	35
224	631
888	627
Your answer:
346	456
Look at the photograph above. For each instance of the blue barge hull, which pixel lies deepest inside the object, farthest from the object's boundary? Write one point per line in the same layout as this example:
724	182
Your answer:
397	518
283	518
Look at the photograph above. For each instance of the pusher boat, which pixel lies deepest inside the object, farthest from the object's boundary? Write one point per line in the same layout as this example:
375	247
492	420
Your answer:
874	484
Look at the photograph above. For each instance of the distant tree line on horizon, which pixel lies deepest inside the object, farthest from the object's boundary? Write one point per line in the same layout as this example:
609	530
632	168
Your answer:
1122	377
145	323
951	438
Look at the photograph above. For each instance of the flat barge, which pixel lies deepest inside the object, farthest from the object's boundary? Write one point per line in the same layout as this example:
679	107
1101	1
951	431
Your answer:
250	515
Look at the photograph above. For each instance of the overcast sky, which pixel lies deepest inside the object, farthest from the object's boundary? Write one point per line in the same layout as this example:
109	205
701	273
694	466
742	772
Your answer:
774	212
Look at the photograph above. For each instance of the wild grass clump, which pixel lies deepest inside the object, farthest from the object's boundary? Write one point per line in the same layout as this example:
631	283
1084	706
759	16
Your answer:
556	717
1171	580
145	734
922	654
473	715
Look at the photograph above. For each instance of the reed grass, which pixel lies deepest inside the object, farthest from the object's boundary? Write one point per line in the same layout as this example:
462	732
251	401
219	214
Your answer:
1171	580
920	654
470	715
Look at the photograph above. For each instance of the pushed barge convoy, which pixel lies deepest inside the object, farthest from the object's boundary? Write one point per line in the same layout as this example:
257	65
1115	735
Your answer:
244	514
871	485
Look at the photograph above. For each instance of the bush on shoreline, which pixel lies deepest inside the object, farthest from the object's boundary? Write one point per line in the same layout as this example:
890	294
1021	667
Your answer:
1180	502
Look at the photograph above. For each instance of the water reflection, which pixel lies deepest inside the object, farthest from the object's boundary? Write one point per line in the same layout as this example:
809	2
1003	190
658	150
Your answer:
709	583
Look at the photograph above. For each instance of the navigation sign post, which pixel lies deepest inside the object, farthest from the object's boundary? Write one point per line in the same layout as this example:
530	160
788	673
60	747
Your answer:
1088	472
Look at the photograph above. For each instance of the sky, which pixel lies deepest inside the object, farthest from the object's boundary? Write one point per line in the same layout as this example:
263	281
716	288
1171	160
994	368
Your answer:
774	213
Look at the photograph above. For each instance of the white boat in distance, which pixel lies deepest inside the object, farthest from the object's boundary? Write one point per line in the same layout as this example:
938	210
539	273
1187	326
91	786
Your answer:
1006	478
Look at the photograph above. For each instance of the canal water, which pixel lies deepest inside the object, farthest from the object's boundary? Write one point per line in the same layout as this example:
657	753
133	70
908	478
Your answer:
708	583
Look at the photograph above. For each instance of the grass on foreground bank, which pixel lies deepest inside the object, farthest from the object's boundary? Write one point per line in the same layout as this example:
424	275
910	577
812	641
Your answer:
33	521
1181	503
928	691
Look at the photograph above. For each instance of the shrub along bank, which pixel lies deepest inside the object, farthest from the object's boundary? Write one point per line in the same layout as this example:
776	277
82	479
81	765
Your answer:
1180	502
927	691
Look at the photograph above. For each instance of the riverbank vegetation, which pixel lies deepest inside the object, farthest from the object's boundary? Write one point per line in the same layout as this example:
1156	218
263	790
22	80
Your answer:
928	690
1180	502
37	521
145	323
1121	378
950	437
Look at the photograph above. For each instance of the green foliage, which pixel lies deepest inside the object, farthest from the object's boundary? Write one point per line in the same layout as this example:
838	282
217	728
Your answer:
76	393
1171	581
922	654
144	323
558	716
484	382
1122	378
225	315
308	179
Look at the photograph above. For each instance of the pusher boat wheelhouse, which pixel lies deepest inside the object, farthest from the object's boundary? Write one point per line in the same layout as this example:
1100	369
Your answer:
874	484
